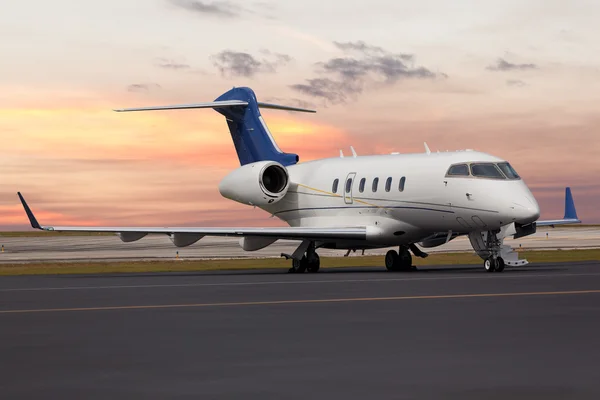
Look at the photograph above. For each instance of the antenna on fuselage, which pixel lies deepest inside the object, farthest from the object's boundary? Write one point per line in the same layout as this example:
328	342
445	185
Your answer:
427	148
341	154
353	152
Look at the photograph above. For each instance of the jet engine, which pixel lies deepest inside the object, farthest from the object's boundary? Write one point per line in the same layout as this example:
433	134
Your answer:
256	184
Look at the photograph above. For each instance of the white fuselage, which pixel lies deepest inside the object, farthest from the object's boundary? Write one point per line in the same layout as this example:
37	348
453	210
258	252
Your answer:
430	201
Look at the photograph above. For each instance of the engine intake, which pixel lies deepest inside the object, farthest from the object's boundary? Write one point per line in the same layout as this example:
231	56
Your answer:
257	184
274	179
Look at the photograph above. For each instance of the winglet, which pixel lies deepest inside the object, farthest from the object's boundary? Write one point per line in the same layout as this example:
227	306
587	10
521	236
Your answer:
34	223
570	211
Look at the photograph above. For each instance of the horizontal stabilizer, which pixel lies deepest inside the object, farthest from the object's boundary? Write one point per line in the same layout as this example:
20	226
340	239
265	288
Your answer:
212	104
215	105
284	108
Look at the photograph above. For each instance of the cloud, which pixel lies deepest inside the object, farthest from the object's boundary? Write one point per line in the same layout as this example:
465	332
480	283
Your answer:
503	65
365	48
234	63
278	57
170	64
142	87
333	91
223	9
515	83
347	76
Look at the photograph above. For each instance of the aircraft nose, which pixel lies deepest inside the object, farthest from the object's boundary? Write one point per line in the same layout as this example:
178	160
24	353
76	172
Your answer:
526	210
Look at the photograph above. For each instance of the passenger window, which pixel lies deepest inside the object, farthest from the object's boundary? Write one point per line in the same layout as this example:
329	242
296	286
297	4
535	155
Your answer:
401	185
335	186
361	186
375	183
348	185
486	170
388	184
458	170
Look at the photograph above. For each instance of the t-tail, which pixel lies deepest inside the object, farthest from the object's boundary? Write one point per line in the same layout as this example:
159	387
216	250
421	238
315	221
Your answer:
251	136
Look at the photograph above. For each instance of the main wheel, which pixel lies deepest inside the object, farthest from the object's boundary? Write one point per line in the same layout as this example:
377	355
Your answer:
490	264
314	263
299	266
404	260
499	264
392	260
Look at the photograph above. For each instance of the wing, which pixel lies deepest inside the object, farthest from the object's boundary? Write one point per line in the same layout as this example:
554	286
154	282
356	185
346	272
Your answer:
570	213
293	233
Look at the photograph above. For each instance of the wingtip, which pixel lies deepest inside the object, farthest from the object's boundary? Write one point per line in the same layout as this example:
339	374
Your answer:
32	220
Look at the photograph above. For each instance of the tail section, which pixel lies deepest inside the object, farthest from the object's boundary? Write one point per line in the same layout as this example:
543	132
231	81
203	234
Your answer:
570	211
252	139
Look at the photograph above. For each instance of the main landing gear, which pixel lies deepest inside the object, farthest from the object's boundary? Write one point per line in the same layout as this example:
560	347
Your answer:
310	261
399	261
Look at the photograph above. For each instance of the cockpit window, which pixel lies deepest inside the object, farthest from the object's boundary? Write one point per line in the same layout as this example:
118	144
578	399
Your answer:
508	170
486	170
459	170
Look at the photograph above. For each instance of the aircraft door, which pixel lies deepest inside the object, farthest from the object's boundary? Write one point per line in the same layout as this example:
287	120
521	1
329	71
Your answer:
348	185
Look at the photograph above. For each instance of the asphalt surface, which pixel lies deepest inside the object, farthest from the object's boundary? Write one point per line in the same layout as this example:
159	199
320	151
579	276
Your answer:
102	248
452	333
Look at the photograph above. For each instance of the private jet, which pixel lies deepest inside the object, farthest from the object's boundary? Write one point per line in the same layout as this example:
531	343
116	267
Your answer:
359	202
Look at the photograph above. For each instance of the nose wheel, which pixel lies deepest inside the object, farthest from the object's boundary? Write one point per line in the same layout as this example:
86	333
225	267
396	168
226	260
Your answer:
492	264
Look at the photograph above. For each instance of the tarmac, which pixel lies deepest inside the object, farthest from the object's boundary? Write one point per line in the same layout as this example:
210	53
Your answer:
356	333
102	248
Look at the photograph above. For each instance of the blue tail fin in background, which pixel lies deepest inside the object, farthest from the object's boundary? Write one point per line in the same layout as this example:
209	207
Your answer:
251	137
570	211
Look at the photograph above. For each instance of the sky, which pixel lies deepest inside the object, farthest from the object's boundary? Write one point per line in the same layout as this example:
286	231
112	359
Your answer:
517	79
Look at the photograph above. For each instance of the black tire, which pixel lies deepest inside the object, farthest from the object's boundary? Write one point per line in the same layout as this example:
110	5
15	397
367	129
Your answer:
299	266
500	264
314	264
392	260
405	260
489	264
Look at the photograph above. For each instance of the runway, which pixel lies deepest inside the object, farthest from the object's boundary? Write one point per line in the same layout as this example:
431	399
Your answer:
102	248
452	333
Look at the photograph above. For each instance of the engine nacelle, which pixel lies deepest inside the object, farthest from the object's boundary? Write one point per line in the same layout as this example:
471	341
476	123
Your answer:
256	184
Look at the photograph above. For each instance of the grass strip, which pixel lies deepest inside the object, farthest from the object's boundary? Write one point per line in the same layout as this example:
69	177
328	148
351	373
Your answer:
100	267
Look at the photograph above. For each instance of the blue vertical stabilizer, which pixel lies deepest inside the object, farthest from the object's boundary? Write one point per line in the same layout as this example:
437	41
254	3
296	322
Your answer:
570	211
251	137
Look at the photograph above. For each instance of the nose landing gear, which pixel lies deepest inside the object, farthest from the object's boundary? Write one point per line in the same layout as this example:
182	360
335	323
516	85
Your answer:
492	264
